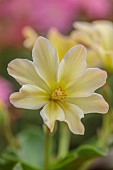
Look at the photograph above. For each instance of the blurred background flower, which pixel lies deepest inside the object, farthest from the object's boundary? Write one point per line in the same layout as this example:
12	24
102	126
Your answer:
39	14
42	15
98	9
61	42
64	42
6	89
98	38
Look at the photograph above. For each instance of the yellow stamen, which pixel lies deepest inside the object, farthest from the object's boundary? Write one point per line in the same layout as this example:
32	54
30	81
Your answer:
58	94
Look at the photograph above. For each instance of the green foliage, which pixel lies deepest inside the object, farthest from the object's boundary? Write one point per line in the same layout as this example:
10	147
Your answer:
79	157
31	148
18	166
30	154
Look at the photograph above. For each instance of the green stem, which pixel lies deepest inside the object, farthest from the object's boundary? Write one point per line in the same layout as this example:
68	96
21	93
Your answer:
64	141
47	148
8	135
10	138
107	129
5	126
107	126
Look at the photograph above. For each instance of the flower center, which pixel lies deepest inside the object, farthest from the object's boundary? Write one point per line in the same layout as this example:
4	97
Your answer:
58	94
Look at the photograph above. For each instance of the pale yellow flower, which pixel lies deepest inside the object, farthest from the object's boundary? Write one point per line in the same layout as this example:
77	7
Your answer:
61	42
30	37
64	90
98	38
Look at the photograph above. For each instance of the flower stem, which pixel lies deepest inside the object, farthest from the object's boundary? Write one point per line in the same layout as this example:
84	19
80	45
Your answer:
64	141
107	129
10	138
8	135
107	125
47	148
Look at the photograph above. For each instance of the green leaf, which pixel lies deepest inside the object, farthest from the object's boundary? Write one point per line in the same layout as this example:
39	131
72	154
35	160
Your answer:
78	158
6	165
12	163
18	166
31	146
30	152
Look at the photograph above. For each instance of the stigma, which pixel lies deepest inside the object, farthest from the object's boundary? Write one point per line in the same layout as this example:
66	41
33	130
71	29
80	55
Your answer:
58	94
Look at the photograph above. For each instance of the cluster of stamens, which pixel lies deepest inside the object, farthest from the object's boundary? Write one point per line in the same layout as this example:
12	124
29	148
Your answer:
58	94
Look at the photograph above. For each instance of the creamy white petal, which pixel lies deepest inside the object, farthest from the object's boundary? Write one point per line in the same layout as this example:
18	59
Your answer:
105	30
89	82
88	29
46	60
24	72
94	103
83	26
82	38
61	42
29	97
50	113
73	65
73	114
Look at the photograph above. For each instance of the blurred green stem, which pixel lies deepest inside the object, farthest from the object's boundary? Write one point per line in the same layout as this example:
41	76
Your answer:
64	140
8	135
107	126
5	125
10	138
47	148
107	129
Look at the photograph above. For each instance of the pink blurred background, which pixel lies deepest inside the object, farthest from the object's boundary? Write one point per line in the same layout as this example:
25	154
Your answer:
44	14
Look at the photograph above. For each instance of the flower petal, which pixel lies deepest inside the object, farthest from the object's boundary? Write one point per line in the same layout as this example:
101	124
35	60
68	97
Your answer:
105	30
94	103
81	38
73	114
30	37
50	113
61	42
73	65
24	72
89	82
87	28
46	60
29	97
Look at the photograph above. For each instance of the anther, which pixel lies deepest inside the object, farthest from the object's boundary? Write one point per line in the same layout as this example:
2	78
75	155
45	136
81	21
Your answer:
58	94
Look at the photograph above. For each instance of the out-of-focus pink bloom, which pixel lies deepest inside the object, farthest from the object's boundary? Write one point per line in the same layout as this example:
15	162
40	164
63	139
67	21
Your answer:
39	14
97	9
10	34
5	90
